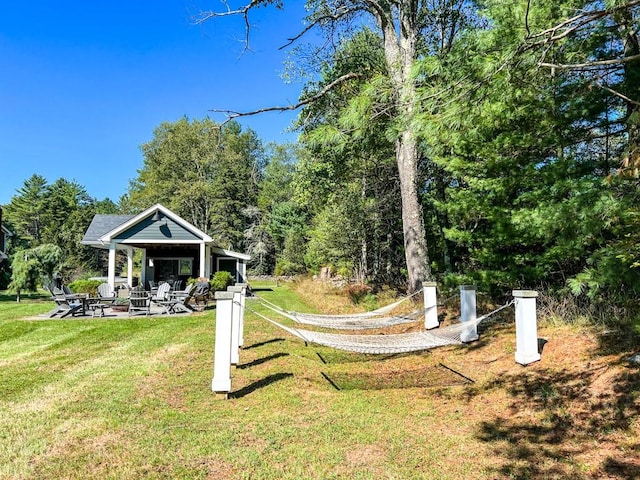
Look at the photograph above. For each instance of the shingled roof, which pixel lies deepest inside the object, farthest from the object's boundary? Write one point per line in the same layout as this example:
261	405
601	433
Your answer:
102	224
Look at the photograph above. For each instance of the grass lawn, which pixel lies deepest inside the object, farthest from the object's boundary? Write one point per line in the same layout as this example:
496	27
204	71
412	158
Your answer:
130	398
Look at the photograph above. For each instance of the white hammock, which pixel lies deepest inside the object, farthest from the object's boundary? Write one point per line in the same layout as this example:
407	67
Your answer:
349	323
346	321
388	344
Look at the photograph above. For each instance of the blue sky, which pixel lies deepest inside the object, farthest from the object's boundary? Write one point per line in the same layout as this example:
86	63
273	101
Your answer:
84	83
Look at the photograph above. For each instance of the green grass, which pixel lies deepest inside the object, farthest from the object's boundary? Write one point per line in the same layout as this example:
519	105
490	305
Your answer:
130	398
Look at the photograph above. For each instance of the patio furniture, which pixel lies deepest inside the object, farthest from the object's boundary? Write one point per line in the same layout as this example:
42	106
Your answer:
201	293
105	294
162	294
65	306
179	301
97	309
139	301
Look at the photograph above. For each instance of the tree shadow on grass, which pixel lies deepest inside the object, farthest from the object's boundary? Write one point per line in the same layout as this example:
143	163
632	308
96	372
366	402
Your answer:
259	384
557	420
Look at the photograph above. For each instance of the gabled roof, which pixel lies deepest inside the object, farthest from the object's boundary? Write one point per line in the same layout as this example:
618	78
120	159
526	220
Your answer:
102	224
112	234
7	232
107	228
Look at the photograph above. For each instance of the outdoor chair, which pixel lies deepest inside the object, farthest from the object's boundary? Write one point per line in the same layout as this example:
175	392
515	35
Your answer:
201	293
65	306
162	294
179	301
161	298
105	294
139	301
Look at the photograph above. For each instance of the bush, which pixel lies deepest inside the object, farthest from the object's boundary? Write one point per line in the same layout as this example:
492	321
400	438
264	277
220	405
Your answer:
220	281
85	286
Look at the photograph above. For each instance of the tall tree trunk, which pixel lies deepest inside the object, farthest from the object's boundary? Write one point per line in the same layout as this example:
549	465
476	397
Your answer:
400	46
415	243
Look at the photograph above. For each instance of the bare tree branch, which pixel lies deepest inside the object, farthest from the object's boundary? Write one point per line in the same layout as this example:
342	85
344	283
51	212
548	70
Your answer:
231	114
586	65
334	18
617	94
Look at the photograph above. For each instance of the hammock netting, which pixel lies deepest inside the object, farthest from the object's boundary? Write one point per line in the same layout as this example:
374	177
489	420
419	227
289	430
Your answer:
389	344
355	321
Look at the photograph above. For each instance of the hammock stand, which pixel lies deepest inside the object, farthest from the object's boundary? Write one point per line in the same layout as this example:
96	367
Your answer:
229	332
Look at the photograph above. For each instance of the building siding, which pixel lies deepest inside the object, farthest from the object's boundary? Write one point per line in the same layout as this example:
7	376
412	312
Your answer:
147	230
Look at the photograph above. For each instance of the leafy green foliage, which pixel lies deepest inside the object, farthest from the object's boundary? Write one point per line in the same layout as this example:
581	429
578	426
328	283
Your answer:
34	267
204	172
221	280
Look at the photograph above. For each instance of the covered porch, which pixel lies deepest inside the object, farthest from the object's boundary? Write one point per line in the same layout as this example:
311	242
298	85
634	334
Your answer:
172	249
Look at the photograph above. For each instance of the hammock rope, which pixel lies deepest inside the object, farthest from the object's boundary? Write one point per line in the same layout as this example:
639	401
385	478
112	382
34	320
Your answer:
354	321
348	323
388	344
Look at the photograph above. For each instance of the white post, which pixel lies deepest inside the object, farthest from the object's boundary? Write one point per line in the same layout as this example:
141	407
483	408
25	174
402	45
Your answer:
526	327
468	313
243	298
143	272
430	305
235	324
207	256
221	382
203	257
111	274
130	266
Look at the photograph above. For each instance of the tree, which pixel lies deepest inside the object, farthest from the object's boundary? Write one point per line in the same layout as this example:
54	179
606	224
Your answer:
204	172
404	26
34	267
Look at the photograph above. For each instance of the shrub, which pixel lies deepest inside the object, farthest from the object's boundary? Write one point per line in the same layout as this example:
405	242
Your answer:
85	286
221	280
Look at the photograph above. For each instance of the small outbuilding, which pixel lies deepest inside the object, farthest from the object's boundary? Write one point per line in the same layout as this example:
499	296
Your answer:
172	248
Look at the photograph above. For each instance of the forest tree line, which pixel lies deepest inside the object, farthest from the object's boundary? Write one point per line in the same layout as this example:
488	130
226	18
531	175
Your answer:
526	123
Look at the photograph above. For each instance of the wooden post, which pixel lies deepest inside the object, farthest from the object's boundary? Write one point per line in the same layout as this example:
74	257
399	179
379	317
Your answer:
430	305
221	382
468	313
526	327
235	324
243	298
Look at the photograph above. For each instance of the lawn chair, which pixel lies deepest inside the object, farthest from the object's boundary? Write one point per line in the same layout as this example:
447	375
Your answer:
139	301
105	294
162	294
65	306
179	301
201	293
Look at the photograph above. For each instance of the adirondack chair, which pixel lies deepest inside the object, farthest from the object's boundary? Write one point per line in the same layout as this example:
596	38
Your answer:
105	294
201	293
179	301
139	301
64	305
162	294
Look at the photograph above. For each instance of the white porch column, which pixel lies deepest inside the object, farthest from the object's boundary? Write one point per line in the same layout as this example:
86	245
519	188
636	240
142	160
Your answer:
526	327
468	312
207	256
221	382
203	267
130	266
235	324
111	275
430	305
143	271
243	298
242	271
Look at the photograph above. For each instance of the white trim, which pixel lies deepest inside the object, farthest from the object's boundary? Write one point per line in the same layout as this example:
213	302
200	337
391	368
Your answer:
107	237
229	253
7	232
